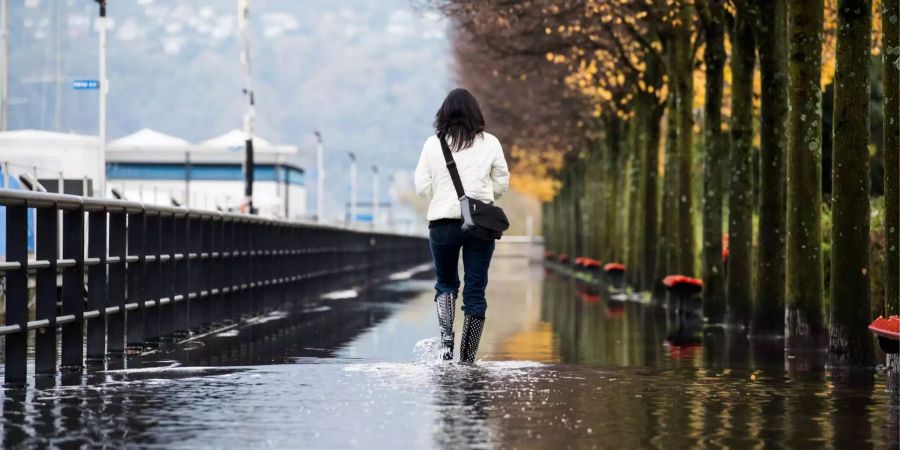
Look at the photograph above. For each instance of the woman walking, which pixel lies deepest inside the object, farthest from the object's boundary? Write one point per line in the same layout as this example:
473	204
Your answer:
483	173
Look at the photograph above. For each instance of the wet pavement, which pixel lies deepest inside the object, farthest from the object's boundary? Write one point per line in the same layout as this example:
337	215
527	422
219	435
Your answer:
562	365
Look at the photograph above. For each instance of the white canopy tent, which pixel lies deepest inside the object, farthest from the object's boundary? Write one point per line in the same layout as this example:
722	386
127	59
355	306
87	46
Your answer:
149	139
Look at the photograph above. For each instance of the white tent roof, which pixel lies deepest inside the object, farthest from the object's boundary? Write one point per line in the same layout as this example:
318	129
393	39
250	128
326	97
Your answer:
235	138
147	138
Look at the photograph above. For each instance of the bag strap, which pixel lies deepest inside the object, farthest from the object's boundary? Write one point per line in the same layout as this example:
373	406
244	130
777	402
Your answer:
451	167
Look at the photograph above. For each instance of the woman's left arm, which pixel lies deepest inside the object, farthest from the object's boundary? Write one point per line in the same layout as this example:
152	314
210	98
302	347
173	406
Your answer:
500	173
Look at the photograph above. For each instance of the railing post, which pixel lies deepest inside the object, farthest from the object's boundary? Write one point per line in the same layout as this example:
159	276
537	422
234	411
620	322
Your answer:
167	277
182	277
206	272
243	262
265	262
136	294
96	329
281	264
152	288
231	243
73	290
272	267
16	294
290	263
115	345
371	257
325	256
217	300
298	266
46	293
195	269
251	295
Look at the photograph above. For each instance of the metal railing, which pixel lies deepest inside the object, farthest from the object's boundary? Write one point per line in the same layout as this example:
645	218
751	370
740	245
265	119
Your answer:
135	275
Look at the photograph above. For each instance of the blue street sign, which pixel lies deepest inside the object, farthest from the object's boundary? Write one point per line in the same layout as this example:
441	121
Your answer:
364	218
79	85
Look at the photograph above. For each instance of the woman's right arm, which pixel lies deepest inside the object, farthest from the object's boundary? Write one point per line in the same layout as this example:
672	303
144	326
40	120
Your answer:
423	174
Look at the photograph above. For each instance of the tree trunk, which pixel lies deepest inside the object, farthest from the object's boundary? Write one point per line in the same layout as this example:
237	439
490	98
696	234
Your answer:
621	236
670	194
572	216
740	197
714	57
685	96
597	182
851	342
651	203
891	76
670	201
592	221
635	210
613	175
565	217
768	313
578	205
668	225
547	224
560	214
803	296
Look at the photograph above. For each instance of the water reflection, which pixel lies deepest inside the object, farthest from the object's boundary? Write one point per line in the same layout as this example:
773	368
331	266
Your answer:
463	402
565	365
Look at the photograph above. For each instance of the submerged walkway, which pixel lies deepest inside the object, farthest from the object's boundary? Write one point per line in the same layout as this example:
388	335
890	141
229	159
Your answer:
559	369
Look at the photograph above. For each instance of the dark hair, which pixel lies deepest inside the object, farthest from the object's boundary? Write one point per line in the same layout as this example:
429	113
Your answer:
459	119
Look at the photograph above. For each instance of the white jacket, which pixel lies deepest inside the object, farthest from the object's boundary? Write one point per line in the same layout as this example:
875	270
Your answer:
482	169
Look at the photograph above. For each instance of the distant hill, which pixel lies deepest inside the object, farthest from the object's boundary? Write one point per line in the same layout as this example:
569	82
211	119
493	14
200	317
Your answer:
367	73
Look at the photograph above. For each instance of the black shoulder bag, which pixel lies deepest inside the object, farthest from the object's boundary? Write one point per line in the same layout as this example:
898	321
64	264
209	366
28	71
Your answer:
481	220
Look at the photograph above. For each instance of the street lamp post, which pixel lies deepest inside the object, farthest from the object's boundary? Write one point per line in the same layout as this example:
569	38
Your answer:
352	188
250	115
374	196
104	90
320	179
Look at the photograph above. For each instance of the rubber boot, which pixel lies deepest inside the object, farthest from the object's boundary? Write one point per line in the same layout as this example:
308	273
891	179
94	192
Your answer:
471	334
446	307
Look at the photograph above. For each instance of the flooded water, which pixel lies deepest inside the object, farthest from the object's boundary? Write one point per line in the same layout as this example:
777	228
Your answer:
563	366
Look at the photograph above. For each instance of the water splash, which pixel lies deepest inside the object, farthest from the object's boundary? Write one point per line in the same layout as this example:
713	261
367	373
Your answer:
427	363
427	352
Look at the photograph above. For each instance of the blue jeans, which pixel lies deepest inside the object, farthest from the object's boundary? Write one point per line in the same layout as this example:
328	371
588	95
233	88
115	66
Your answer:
446	240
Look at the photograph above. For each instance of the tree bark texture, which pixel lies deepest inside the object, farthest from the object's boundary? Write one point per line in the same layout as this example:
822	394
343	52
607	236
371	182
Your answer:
891	79
685	119
850	342
768	313
713	270
804	327
740	195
